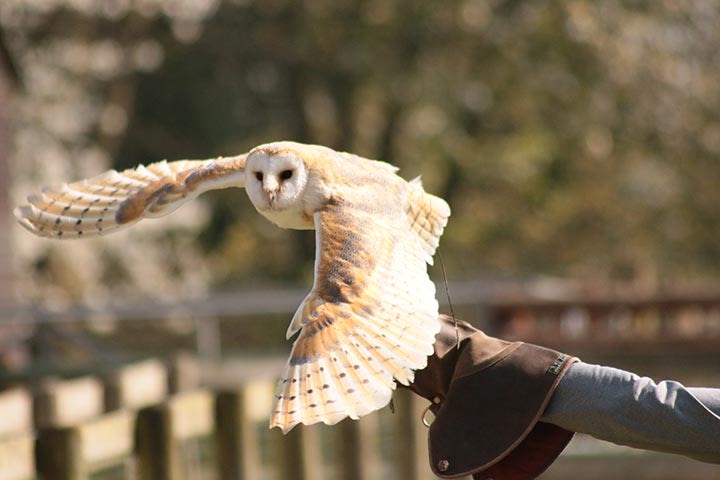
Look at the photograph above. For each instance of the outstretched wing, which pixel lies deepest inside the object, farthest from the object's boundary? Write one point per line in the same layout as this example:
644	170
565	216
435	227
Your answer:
114	200
372	315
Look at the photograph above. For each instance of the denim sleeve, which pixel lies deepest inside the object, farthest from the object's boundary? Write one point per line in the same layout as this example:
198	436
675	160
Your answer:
623	408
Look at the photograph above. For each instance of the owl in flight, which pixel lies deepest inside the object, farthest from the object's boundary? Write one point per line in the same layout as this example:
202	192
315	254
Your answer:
371	316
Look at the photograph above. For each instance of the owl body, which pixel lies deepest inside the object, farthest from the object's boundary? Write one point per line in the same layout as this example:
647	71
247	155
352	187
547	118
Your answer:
371	316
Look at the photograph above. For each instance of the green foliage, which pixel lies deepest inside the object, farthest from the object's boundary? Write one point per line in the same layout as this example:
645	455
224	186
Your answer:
571	138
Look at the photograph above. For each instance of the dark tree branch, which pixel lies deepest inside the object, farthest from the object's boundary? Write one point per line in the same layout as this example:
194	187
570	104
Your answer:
7	64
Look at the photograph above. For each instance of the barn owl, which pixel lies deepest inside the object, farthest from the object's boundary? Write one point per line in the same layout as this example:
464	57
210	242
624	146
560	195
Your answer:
371	316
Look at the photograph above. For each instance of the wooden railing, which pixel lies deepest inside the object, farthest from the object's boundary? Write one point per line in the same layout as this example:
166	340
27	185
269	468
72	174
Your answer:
148	421
538	311
198	434
17	438
607	318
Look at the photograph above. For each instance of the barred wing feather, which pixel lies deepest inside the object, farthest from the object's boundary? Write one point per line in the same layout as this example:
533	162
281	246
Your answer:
372	315
114	200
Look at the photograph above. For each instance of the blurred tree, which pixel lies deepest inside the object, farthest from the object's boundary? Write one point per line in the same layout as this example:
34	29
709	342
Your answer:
8	82
13	338
571	138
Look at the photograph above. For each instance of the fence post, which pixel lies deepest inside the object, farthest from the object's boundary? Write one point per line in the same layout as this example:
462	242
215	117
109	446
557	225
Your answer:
70	453
312	464
412	464
161	430
59	454
288	454
157	459
357	456
236	436
298	453
184	372
237	418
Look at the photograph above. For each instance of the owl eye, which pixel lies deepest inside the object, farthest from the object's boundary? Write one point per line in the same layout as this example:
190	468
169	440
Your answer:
259	176
286	174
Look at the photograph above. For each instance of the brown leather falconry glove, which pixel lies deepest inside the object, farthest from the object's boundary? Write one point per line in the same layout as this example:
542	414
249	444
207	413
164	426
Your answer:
487	397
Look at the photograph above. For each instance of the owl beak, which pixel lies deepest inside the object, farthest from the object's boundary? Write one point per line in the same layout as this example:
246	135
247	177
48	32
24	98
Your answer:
271	195
271	189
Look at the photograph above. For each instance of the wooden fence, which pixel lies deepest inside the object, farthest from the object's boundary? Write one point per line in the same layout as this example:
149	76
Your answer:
93	428
152	420
607	318
203	434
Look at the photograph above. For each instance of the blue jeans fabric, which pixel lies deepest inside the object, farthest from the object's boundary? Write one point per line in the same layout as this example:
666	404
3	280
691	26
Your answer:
623	408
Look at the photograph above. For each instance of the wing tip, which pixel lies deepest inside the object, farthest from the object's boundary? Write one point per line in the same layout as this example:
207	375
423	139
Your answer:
330	420
285	429
28	225
25	216
22	212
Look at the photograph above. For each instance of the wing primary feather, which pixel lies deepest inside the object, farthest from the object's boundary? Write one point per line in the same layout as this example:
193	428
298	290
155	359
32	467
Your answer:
114	200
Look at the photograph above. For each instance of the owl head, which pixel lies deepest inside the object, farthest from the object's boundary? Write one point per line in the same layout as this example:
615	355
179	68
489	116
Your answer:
275	177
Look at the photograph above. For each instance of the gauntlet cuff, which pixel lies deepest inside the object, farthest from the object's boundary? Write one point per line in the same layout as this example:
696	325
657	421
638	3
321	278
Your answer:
488	396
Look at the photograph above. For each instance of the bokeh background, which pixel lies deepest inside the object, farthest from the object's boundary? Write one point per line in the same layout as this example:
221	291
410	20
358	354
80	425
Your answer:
577	139
577	142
